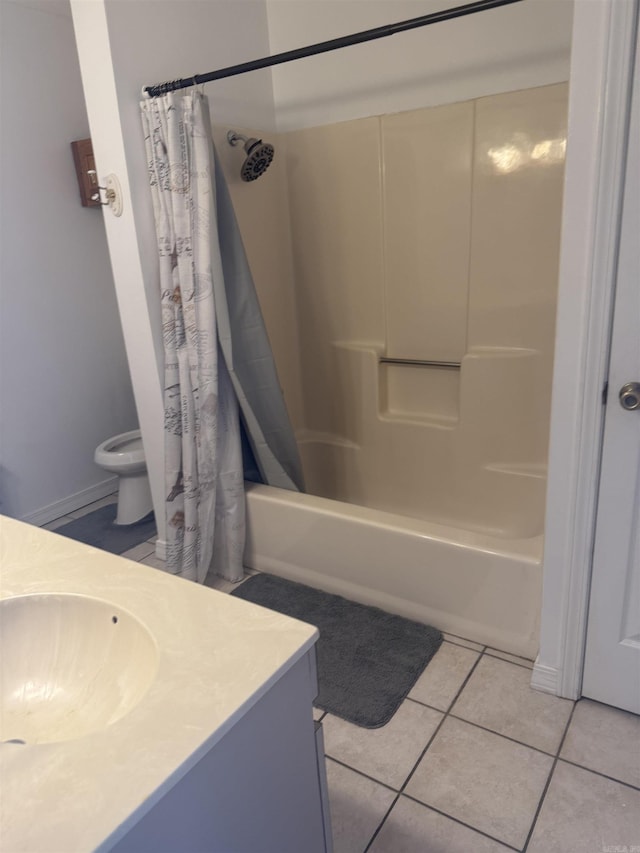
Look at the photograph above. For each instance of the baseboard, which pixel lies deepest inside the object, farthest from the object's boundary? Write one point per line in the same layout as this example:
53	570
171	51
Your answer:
545	678
161	549
73	502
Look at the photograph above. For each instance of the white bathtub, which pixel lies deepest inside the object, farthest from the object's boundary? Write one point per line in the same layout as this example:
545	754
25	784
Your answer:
477	586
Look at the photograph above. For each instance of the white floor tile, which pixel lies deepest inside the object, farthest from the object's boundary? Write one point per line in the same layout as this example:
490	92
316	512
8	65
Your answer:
357	807
482	779
588	813
499	696
605	739
388	753
155	562
139	552
414	828
444	676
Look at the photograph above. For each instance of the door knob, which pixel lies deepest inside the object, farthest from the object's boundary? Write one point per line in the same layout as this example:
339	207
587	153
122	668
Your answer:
629	396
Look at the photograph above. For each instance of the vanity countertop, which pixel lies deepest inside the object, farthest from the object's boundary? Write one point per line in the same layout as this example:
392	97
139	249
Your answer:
217	656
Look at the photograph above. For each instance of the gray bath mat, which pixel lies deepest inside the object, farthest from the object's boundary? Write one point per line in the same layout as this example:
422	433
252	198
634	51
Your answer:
97	528
368	660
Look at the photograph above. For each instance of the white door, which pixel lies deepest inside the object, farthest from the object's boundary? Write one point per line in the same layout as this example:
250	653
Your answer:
612	658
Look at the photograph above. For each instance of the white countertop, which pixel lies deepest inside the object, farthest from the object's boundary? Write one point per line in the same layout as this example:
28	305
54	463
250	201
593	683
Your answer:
217	655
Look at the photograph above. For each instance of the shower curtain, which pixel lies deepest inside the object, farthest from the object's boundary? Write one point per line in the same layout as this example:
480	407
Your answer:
219	369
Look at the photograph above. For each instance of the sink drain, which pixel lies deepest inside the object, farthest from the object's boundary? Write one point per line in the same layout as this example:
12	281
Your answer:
14	740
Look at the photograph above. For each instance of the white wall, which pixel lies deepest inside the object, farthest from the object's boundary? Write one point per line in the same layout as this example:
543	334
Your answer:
64	381
514	47
124	45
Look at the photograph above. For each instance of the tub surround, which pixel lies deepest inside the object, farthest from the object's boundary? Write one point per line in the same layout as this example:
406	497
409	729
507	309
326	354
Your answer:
422	281
423	236
430	236
217	658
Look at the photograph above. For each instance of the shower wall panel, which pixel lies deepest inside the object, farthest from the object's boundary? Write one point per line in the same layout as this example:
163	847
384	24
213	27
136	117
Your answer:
519	158
334	175
430	235
427	156
517	190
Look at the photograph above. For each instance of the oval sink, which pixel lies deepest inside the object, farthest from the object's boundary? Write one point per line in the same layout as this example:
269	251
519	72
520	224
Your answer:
70	665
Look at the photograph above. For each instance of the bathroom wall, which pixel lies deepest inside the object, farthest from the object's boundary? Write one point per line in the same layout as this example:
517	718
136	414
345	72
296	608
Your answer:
64	380
514	47
493	52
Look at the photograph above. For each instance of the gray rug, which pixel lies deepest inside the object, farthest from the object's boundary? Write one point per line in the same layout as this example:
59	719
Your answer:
97	528
368	660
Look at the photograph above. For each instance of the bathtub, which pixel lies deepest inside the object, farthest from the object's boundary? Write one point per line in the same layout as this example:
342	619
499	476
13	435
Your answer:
477	586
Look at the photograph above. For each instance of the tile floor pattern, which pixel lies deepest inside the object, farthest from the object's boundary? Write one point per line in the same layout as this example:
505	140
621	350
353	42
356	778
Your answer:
474	760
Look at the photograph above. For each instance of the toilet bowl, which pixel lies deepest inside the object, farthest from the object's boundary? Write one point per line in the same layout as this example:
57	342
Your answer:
124	455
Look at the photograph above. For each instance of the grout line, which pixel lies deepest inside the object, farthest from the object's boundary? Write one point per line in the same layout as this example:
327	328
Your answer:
67	519
548	782
465	640
382	823
361	773
461	822
424	704
472	177
501	734
445	715
494	732
422	754
383	230
522	665
461	646
107	500
599	773
494	649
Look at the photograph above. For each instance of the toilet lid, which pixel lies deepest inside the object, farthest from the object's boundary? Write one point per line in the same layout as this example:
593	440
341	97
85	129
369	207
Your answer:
124	451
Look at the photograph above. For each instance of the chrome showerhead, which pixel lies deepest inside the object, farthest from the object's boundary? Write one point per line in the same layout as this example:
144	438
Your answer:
259	155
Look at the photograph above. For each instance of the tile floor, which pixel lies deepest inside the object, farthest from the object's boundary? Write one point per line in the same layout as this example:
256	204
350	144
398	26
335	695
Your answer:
474	760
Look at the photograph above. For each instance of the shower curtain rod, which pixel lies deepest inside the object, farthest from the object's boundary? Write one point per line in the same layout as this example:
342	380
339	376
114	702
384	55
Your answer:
324	46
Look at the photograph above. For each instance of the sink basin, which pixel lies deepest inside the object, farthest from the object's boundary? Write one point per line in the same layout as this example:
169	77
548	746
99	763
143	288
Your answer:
70	665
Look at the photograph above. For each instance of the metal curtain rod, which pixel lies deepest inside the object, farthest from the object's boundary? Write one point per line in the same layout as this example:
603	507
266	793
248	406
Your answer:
324	46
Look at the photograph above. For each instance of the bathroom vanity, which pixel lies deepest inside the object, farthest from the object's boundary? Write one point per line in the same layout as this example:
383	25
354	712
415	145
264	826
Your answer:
141	712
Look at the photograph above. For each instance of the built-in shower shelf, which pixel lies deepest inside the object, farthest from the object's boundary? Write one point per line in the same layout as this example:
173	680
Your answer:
310	436
416	419
521	469
419	362
420	393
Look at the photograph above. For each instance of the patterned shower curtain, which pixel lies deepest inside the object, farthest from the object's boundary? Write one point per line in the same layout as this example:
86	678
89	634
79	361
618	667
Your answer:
203	458
219	368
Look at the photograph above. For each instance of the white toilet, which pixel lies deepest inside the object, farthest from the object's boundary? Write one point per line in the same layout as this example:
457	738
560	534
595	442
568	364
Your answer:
124	455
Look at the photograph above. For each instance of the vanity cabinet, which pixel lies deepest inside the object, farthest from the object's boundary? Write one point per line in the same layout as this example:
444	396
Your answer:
259	789
205	744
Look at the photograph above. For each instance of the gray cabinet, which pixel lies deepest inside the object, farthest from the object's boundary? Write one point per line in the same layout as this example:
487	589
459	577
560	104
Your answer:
260	789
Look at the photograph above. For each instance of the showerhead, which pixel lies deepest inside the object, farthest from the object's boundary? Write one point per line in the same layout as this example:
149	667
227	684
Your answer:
259	155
